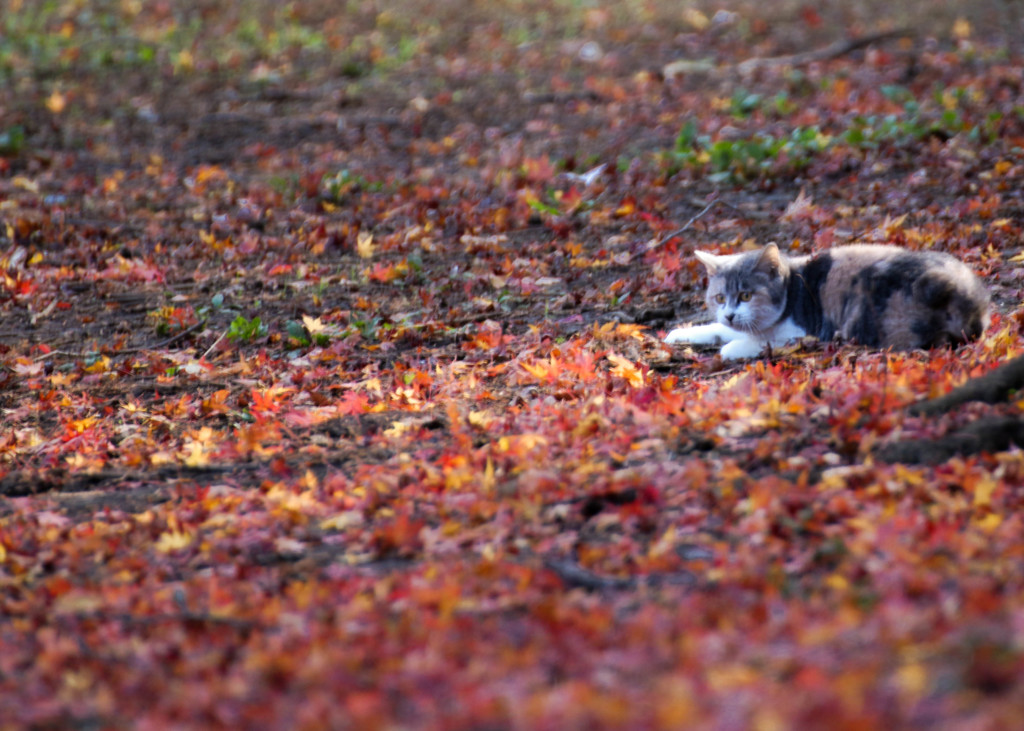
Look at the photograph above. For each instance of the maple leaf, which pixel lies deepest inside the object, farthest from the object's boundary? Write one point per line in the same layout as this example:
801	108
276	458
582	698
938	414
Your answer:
364	244
313	324
173	540
800	208
543	370
195	455
353	403
624	368
343	521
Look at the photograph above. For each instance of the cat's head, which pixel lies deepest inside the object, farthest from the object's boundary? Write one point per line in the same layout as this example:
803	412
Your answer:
747	291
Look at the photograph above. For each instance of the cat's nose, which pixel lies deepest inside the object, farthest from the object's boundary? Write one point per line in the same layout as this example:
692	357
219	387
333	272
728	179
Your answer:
729	318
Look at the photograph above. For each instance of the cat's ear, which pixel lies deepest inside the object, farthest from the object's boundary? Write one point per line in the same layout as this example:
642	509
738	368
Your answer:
770	260
711	262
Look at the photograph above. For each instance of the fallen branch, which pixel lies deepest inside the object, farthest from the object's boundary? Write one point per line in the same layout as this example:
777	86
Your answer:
575	576
829	52
991	435
127	351
184	617
992	388
686	226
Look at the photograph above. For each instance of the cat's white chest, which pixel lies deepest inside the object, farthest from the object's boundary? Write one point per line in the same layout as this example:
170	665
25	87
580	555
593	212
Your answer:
736	345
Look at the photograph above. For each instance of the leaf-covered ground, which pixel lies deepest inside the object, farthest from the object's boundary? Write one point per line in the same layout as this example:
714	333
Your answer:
333	394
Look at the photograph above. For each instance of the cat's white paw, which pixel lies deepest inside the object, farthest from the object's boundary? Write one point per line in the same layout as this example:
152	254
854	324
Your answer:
743	348
711	334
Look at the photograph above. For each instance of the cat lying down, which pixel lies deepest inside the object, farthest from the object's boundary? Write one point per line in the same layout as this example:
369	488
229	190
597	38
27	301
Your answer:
879	296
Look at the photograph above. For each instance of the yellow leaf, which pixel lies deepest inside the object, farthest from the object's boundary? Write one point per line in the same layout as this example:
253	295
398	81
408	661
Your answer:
343	520
20	181
56	102
990	522
364	244
173	541
80	425
912	679
313	324
541	370
184	61
195	455
624	368
837	582
695	18
480	418
983	491
961	29
100	366
398	428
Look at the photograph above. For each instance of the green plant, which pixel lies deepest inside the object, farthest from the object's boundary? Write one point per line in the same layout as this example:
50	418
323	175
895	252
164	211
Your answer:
743	103
764	155
744	159
311	331
337	187
12	140
243	330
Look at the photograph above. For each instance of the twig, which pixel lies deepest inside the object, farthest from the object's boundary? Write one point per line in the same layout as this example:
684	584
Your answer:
686	226
34	317
127	351
575	576
829	52
172	339
215	343
237	623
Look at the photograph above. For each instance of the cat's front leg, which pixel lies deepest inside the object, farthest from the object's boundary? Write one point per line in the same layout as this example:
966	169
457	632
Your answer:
711	334
744	347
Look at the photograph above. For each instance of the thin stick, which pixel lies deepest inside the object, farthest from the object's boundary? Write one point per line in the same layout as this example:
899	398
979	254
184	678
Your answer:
829	52
686	226
128	351
215	343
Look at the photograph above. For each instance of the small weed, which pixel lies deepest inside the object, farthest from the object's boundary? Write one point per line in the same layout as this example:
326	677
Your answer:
743	103
336	188
12	140
369	329
216	304
764	155
745	159
543	207
243	330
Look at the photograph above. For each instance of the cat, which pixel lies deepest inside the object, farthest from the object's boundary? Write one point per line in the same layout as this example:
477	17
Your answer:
879	296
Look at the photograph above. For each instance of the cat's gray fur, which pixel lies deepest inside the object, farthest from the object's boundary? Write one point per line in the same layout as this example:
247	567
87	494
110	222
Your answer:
880	296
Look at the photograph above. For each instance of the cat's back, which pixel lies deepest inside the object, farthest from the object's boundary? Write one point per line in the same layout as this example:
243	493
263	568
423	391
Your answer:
888	296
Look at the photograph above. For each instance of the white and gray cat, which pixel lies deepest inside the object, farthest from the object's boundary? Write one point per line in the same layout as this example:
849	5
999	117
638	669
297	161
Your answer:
879	296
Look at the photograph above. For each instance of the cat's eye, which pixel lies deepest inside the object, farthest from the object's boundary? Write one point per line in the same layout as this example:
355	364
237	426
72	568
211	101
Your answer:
745	296
720	299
